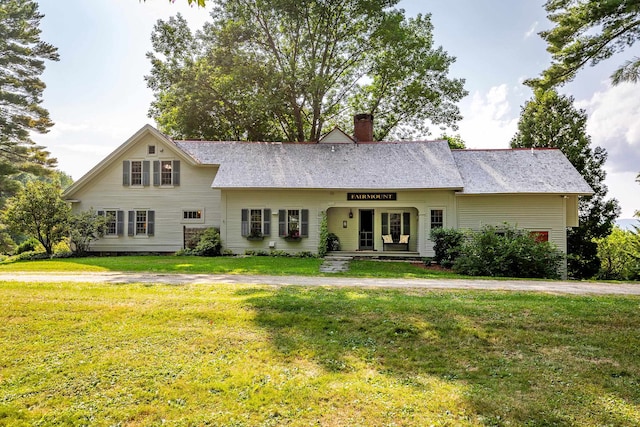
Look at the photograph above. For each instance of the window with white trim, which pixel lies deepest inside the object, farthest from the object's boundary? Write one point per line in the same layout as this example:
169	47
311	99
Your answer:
114	224
396	224
255	222
166	173
151	150
437	218
293	223
192	215
135	173
141	222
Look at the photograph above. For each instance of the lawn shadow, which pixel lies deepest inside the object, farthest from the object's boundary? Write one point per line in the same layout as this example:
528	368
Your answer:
509	358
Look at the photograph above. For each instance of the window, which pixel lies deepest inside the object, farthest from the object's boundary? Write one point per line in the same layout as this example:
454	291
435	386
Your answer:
255	225
192	214
437	218
166	172
135	172
141	223
151	149
293	223
540	236
396	224
115	222
255	222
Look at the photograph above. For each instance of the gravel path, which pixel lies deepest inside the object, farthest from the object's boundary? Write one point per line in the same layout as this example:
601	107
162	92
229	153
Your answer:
568	287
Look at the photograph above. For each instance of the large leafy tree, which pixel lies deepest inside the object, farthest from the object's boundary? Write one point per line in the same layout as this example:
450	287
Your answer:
550	120
39	211
290	69
22	61
588	32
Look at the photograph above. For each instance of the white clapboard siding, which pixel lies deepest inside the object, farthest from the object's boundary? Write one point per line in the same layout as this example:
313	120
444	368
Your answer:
531	212
105	191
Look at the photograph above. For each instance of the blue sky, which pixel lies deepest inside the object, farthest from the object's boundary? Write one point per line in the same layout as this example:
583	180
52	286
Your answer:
97	96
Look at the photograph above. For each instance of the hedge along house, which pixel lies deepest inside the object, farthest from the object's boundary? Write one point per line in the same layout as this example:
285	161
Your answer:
378	196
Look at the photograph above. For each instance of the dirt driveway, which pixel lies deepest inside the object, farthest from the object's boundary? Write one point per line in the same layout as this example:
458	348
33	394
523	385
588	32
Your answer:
557	287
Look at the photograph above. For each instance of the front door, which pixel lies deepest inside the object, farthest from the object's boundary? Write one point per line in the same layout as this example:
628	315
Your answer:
366	230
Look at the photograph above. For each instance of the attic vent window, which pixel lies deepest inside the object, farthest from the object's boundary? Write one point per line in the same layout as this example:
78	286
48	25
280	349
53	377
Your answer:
151	149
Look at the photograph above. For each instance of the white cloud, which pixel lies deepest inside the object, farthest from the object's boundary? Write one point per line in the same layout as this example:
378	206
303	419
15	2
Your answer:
489	121
531	31
613	124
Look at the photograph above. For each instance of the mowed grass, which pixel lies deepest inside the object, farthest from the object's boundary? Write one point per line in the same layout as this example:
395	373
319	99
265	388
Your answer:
145	355
220	265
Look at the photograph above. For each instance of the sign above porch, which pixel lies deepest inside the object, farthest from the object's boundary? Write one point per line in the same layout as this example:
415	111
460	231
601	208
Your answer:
371	196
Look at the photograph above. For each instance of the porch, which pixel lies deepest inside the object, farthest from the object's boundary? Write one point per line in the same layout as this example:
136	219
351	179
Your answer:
396	255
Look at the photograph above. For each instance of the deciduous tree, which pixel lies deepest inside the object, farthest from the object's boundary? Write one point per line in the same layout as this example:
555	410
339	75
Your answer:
39	211
290	69
551	120
588	32
22	61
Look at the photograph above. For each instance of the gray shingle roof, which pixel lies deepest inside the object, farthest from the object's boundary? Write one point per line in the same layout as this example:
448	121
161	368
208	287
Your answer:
386	166
518	171
401	165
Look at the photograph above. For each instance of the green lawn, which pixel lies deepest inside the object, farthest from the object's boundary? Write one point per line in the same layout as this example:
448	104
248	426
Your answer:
139	355
219	265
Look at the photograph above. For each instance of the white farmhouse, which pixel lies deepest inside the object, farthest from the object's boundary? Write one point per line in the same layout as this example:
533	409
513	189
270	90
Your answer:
378	196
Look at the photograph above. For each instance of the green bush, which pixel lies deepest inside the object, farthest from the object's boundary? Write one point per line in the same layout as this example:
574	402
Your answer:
333	242
447	245
508	252
323	245
209	244
30	245
619	255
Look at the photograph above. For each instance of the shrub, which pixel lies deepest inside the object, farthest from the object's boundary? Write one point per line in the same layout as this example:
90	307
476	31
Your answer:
447	245
508	252
209	243
30	245
305	254
323	245
619	255
333	242
84	228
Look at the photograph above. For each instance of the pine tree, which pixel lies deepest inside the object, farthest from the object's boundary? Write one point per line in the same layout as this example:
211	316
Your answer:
551	120
22	61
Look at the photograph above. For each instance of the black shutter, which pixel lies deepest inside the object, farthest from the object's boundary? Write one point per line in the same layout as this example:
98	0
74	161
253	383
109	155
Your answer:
120	223
132	223
385	223
304	223
244	222
176	172
266	222
125	172
145	172
406	223
156	172
151	223
282	223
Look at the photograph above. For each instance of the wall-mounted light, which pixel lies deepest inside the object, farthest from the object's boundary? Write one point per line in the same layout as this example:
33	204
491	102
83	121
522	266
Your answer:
350	213
344	224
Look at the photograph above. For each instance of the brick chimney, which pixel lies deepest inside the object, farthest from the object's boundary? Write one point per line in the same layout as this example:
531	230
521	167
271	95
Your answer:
363	127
